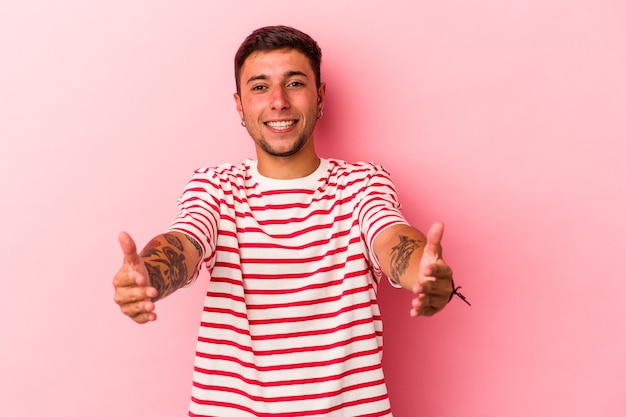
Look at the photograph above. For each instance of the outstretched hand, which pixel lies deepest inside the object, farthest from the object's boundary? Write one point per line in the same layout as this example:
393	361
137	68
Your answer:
133	292
435	277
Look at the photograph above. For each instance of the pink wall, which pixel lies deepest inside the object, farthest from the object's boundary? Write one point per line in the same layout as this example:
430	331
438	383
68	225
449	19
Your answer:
504	119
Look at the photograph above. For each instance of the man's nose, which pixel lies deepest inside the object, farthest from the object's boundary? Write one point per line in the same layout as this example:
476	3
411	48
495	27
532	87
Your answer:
280	100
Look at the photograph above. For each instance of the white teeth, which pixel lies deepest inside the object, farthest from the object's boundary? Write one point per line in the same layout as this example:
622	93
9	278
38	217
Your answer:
281	125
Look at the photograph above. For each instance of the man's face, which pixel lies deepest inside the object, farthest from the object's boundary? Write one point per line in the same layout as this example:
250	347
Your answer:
279	101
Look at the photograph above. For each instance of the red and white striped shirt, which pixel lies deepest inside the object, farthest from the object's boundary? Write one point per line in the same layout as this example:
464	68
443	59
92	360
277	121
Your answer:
291	325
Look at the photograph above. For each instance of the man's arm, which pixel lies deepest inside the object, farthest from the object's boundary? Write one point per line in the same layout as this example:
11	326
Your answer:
170	259
414	261
166	264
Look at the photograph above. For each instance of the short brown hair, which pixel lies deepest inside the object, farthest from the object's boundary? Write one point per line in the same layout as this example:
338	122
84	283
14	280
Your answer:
271	38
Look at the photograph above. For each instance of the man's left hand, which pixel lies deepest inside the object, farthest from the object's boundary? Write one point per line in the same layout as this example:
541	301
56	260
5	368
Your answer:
433	291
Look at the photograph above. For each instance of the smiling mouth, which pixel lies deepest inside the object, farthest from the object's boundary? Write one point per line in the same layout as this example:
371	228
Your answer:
281	125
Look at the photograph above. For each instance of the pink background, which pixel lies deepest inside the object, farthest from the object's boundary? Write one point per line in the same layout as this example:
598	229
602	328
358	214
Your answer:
504	119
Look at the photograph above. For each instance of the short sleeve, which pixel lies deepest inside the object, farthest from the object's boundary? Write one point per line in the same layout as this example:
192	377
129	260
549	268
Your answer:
378	209
199	213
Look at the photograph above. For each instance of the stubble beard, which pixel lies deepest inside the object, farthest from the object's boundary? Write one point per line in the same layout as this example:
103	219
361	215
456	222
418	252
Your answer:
297	146
299	143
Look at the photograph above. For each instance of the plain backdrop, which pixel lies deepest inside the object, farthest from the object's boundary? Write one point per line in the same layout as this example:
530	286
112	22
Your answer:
503	119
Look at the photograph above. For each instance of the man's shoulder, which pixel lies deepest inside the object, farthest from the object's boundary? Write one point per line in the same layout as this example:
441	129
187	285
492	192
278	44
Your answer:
359	168
225	170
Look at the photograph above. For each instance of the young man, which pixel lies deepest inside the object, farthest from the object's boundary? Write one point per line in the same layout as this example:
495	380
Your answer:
296	246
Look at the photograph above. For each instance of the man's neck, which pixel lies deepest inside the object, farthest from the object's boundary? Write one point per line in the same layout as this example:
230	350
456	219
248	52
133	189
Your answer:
299	165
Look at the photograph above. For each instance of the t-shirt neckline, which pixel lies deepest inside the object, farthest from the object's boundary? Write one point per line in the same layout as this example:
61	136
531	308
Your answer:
309	182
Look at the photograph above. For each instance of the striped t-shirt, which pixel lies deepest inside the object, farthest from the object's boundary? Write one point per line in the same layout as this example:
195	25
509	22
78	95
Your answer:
290	325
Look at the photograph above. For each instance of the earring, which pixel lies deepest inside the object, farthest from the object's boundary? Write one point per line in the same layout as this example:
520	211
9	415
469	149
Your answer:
320	114
243	123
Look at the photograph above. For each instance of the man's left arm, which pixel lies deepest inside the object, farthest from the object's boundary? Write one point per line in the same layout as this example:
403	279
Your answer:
414	262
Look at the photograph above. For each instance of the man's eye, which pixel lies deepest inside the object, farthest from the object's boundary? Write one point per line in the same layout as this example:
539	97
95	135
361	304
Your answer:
295	84
258	88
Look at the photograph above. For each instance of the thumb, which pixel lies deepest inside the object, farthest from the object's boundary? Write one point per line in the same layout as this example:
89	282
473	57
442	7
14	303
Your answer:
131	257
433	240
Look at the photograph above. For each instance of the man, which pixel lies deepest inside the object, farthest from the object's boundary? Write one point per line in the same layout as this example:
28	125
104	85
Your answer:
296	246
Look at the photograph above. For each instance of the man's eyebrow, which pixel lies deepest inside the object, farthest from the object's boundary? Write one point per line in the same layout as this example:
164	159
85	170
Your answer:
287	75
256	77
294	73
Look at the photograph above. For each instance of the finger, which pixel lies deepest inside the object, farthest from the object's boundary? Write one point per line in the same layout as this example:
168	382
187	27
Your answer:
438	270
424	285
133	294
426	305
124	278
131	257
427	312
127	276
139	307
441	291
145	318
139	311
440	287
433	240
421	307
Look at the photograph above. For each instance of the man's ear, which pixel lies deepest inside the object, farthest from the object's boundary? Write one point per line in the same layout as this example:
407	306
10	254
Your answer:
321	94
239	105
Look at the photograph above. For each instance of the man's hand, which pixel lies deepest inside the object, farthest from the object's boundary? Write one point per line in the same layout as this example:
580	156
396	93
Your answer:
133	292
435	277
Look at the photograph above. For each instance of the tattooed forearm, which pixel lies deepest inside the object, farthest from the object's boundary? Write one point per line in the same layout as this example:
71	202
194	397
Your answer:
195	244
166	265
174	241
156	280
400	255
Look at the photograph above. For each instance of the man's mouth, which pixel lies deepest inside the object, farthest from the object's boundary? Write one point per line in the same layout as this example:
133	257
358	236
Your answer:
281	125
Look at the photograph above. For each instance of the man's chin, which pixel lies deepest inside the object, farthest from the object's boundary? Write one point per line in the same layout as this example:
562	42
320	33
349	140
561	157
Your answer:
283	154
282	151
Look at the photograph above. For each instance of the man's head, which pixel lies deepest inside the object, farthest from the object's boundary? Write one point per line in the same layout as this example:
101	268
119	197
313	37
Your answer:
272	38
280	98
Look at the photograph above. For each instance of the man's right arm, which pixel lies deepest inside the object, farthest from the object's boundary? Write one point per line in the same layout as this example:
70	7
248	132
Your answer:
170	259
166	264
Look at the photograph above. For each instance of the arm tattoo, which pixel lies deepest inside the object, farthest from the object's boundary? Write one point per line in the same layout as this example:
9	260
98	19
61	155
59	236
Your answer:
174	241
195	244
400	255
166	265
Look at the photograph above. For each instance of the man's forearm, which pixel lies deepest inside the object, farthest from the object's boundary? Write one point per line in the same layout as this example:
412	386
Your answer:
170	261
399	250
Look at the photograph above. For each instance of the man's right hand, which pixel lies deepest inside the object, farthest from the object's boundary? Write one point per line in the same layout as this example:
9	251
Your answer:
133	292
